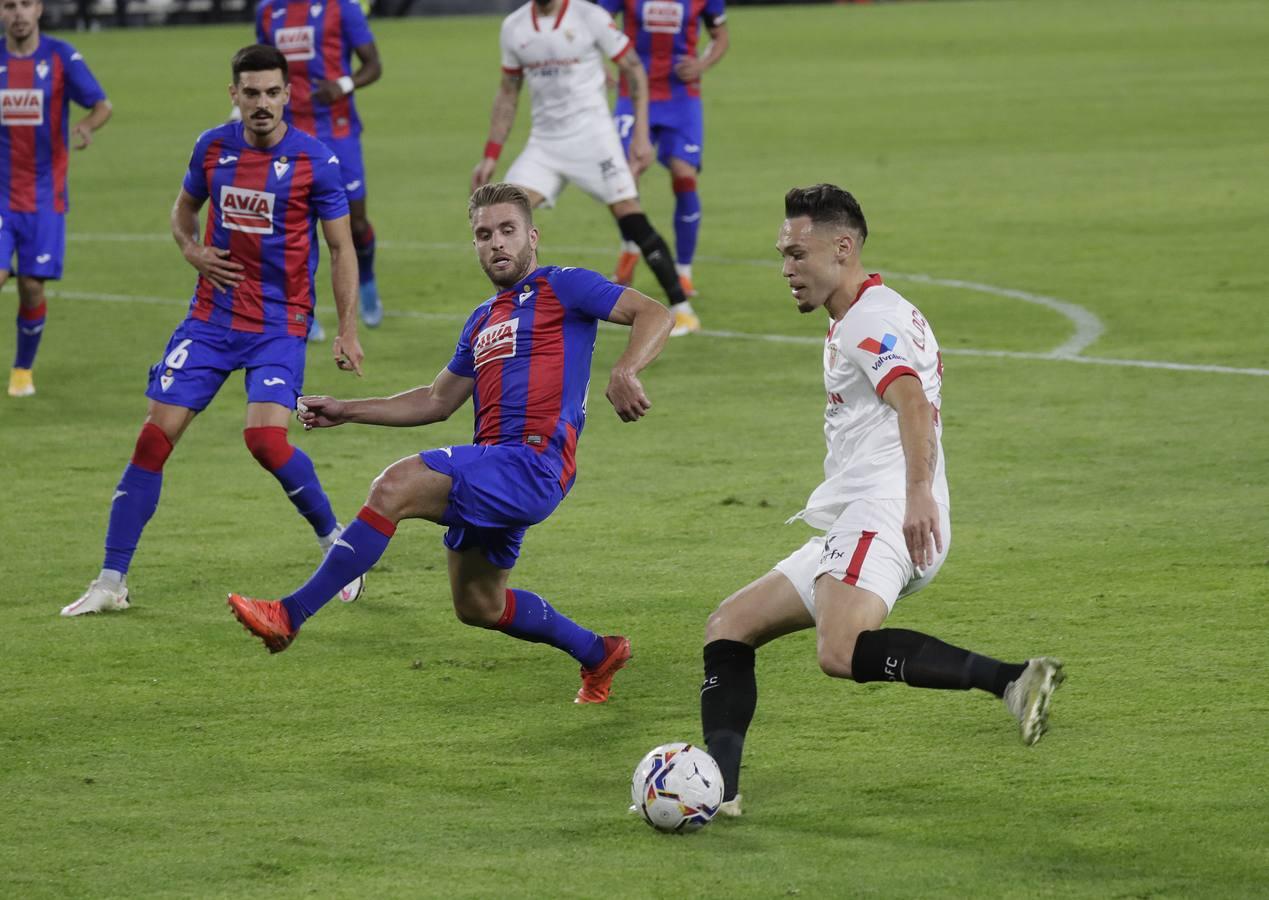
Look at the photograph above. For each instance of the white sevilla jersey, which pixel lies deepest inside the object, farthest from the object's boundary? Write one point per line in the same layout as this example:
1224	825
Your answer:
562	59
882	337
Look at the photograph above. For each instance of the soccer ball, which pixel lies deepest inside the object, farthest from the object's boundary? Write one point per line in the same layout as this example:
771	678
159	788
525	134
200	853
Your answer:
677	787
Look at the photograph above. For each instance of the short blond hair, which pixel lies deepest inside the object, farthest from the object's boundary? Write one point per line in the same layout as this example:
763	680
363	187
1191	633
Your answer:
501	192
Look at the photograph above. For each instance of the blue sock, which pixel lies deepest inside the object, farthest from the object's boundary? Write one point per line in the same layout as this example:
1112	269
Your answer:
365	256
358	548
136	498
299	479
530	618
30	330
687	224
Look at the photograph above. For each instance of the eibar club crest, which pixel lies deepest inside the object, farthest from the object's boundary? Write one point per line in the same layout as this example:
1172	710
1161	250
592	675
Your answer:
41	69
280	166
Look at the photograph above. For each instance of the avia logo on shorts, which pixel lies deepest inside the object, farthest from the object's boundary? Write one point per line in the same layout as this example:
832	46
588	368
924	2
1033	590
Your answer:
21	107
662	16
872	345
295	43
242	209
496	342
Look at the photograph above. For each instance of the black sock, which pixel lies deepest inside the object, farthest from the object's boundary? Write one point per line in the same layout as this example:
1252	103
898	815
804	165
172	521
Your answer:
656	252
729	696
896	654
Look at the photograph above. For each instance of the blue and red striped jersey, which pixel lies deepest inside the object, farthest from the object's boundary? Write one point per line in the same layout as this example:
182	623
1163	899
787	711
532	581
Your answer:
529	349
664	31
317	38
264	209
35	96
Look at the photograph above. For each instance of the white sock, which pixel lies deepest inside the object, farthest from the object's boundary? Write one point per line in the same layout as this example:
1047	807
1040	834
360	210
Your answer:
629	247
111	578
685	270
328	541
684	307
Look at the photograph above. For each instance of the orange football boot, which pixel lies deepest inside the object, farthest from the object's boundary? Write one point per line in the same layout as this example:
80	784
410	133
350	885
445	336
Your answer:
266	619
597	682
625	268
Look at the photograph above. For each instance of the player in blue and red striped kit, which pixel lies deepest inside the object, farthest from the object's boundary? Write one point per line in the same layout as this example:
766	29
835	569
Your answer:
39	77
524	358
319	39
269	186
665	34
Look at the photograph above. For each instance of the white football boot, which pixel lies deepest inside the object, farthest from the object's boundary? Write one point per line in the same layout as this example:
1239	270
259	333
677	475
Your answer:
730	807
100	597
352	590
1028	696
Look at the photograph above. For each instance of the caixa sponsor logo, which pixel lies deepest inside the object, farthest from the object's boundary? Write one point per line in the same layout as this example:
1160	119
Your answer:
21	107
295	43
242	209
496	342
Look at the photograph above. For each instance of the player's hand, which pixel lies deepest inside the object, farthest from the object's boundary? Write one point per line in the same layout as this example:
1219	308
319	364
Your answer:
81	136
483	172
347	352
215	265
320	412
689	68
641	154
626	395
921	527
327	92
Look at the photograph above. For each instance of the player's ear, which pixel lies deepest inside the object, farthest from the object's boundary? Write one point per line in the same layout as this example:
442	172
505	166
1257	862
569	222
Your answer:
533	237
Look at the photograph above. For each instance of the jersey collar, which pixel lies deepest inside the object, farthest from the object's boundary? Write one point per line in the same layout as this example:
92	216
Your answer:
559	16
874	279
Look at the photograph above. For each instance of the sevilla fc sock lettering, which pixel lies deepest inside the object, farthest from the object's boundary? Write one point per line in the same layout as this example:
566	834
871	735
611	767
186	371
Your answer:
897	654
687	219
364	244
358	548
30	330
530	618
729	697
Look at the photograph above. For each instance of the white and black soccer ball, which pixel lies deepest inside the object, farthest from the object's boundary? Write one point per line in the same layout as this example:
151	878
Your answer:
677	788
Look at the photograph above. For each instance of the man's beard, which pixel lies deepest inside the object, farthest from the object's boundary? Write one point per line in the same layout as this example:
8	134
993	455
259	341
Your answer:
518	270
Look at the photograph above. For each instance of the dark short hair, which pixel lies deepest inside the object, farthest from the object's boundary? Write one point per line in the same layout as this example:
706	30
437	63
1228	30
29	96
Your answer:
827	204
500	192
259	58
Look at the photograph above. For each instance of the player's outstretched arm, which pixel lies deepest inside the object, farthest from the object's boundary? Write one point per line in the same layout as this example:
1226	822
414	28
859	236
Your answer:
650	325
637	83
343	276
97	116
434	402
921	452
501	119
212	263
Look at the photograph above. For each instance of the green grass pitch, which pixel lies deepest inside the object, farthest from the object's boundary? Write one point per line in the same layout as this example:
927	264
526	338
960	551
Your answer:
1106	155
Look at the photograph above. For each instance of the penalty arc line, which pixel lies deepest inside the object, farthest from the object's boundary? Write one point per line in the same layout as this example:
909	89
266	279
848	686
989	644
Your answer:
1088	328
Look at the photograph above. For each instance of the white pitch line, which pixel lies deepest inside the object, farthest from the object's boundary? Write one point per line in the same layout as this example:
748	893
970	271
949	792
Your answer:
1088	328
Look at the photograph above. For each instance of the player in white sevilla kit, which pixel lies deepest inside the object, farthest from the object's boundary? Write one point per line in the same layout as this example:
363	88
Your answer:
883	504
559	46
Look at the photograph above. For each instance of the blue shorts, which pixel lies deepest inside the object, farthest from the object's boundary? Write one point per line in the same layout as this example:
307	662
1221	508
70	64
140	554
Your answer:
499	491
39	238
677	128
351	167
200	356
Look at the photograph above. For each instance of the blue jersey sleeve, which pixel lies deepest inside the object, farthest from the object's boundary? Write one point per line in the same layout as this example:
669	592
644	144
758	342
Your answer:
612	6
195	183
328	197
262	10
585	291
356	28
464	362
715	12
81	86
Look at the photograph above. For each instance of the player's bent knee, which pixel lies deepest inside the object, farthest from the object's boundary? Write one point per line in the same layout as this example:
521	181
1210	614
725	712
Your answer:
269	446
835	660
152	449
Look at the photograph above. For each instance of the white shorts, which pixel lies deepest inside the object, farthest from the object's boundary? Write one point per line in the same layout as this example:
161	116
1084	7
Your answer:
864	547
593	160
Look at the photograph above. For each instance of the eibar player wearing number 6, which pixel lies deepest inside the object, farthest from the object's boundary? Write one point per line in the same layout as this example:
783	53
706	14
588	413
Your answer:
883	505
269	186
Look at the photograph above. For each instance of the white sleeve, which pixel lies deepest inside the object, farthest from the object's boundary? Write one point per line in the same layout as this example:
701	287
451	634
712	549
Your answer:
610	39
511	63
879	347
